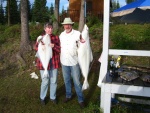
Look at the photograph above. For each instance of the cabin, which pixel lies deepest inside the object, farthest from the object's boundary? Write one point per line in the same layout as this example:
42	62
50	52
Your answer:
92	8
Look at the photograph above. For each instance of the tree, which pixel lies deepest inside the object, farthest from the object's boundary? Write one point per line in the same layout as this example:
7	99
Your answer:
63	10
51	12
115	5
51	9
82	19
8	12
12	12
1	14
40	12
129	1
118	5
24	45
28	8
56	14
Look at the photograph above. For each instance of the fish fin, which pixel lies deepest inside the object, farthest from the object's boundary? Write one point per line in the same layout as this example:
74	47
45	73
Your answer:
85	85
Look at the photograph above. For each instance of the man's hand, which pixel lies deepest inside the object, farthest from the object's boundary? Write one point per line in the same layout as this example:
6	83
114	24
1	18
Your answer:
81	39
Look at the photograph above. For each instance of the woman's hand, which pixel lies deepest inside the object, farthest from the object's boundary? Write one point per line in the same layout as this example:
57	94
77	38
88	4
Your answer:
51	45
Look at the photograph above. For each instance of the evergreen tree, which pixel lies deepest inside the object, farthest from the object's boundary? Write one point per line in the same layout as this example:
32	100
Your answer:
63	10
40	12
29	10
12	12
115	5
51	10
1	14
129	1
118	5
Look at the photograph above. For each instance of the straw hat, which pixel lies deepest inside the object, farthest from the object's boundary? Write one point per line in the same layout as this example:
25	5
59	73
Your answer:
67	21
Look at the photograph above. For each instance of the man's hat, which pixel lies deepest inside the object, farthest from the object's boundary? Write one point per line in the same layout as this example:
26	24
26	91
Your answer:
67	21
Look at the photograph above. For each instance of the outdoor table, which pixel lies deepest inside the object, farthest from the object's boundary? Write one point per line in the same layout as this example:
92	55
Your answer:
116	85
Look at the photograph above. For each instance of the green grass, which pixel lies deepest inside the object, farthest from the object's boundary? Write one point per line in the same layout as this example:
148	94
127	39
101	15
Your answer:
19	93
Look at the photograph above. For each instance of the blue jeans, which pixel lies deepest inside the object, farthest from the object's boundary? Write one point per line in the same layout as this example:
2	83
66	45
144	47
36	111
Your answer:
52	81
74	72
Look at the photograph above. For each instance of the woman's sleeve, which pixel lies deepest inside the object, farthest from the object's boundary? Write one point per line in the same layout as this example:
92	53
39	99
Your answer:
57	45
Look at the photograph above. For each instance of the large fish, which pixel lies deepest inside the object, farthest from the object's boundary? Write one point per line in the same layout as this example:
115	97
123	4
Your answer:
85	56
44	52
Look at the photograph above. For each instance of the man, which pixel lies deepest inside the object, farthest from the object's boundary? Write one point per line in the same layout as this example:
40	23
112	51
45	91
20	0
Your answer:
69	60
53	66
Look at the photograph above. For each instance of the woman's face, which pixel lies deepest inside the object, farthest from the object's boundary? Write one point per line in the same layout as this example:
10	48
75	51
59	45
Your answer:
67	27
48	30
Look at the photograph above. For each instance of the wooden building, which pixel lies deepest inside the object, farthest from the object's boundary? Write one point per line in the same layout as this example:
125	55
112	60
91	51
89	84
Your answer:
92	7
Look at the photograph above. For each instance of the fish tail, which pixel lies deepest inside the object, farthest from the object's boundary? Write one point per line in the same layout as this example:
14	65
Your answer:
85	85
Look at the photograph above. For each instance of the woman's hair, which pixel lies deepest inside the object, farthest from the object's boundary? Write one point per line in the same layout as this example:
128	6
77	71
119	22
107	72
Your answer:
48	24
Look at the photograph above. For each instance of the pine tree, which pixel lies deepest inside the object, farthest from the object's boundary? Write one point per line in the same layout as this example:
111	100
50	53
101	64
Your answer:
129	1
12	12
115	5
40	11
51	9
51	13
1	14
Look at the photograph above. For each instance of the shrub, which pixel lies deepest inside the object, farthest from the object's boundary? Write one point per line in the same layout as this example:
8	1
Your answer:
7	32
130	36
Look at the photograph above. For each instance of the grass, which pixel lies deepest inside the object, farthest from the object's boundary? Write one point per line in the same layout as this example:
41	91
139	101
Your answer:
19	93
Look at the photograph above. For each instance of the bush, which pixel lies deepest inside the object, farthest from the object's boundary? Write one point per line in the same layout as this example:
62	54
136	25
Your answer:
35	31
130	36
7	32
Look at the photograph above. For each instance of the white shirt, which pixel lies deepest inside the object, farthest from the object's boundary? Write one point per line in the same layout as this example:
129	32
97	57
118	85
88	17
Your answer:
68	56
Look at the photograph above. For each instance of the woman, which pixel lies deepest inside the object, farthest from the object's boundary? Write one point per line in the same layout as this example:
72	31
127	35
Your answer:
53	65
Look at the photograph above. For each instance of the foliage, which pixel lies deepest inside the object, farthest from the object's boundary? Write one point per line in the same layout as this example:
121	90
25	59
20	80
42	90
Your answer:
40	12
95	26
37	12
129	1
130	36
35	31
92	20
9	32
96	31
1	15
115	5
75	26
14	13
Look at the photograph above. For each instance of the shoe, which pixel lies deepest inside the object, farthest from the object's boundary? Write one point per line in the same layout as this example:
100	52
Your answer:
42	102
66	100
54	101
82	105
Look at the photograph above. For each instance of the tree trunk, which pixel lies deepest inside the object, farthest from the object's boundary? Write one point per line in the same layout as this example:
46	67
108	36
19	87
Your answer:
82	19
8	5
24	44
56	14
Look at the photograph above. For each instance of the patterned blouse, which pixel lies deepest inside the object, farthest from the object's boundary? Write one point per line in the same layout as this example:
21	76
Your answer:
55	60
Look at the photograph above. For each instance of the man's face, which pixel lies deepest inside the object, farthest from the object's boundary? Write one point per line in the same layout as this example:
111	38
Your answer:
68	27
